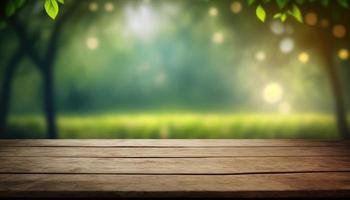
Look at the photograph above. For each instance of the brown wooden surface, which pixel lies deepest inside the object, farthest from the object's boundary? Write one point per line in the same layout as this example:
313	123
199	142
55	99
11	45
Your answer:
208	143
174	168
190	152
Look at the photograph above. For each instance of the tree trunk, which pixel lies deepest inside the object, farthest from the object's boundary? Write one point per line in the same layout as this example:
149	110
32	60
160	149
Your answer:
46	63
6	90
49	104
336	87
340	108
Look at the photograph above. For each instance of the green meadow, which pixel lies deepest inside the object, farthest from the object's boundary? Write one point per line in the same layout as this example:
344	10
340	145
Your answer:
187	126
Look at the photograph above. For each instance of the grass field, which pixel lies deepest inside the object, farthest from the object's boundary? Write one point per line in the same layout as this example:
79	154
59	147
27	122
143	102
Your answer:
181	126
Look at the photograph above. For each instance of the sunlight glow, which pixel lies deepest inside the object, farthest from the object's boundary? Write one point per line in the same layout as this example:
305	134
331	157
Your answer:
272	93
311	18
236	7
218	38
213	12
339	31
92	43
343	54
277	27
287	45
93	6
304	57
142	20
109	7
260	56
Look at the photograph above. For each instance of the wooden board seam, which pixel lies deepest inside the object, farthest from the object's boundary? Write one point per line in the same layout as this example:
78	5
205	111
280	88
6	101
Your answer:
181	174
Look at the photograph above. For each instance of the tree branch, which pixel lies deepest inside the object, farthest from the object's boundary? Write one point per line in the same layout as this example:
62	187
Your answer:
53	41
25	41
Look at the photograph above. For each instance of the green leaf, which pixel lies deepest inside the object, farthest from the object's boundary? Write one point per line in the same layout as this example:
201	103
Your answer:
51	8
281	3
283	17
250	2
60	1
260	13
343	3
296	13
277	16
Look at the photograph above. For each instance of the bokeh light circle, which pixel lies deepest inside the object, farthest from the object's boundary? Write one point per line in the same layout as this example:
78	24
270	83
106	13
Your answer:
339	31
324	23
287	45
109	7
311	18
277	27
93	6
343	54
92	43
272	93
236	7
213	12
218	38
304	57
260	56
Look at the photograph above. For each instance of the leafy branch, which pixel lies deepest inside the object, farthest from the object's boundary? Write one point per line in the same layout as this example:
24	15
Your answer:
290	8
51	7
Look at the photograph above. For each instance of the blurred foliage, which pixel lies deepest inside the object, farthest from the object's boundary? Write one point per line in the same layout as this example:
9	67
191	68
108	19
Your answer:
291	7
130	70
176	57
188	126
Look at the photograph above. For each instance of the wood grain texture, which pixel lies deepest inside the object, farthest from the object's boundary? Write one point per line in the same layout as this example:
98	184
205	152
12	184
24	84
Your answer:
172	165
174	168
258	185
172	143
201	152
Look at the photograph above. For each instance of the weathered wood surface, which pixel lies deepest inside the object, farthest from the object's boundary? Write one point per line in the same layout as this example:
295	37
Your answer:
174	168
208	143
152	152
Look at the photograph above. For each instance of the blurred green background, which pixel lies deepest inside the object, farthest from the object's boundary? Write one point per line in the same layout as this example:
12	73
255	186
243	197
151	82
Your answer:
179	69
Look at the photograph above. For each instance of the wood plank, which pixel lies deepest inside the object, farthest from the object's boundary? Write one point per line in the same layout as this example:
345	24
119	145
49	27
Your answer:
174	168
172	143
115	152
258	185
238	165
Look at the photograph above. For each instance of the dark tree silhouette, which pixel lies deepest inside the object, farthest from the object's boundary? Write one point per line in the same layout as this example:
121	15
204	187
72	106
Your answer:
327	51
322	40
45	64
10	70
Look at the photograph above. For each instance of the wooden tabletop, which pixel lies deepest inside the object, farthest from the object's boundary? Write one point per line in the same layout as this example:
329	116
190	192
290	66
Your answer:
174	168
